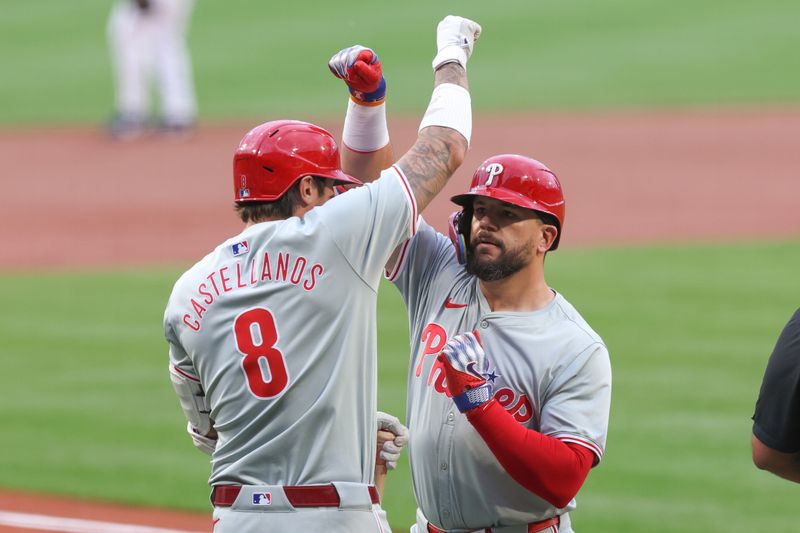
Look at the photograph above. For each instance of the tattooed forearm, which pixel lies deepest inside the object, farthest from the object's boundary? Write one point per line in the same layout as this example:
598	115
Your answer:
428	165
439	150
451	73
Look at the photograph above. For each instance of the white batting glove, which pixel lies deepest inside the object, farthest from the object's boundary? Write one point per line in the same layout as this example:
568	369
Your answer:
465	368
390	453
455	37
202	442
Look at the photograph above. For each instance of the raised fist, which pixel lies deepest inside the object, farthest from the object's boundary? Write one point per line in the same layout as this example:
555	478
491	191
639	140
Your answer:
361	70
455	38
465	369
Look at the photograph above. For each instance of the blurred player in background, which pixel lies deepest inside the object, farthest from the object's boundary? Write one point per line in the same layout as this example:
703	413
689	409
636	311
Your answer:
776	422
509	388
273	337
147	41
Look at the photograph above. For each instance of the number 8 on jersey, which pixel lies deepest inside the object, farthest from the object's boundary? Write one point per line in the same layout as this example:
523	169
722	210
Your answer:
256	336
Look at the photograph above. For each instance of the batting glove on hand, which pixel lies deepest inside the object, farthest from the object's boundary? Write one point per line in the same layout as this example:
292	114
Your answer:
465	368
391	450
361	70
455	37
205	443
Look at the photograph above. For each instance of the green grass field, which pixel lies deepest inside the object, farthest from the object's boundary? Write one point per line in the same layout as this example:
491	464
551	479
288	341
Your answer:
256	59
88	410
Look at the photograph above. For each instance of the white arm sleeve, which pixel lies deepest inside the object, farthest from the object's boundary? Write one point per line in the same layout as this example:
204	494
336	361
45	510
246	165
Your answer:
193	400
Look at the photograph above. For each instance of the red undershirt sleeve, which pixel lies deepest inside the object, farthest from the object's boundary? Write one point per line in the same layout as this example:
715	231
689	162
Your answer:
546	466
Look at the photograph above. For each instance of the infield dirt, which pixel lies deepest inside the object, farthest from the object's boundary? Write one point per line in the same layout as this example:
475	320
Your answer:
73	198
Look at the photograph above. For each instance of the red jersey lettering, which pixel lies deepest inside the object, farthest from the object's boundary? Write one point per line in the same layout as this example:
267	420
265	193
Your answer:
283	266
298	270
225	279
435	337
315	270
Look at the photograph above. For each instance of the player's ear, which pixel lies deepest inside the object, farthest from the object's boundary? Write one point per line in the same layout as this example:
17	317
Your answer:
306	190
548	237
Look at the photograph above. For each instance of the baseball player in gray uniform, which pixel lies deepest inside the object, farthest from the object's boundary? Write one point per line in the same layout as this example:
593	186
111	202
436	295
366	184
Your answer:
508	386
272	336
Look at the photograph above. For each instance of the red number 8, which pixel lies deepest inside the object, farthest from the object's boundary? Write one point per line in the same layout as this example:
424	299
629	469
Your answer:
246	344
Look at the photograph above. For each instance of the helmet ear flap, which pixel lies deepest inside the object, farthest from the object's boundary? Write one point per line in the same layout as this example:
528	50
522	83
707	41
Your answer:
459	226
465	222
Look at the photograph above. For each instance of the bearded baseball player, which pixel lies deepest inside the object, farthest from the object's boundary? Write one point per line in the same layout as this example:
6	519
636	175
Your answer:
272	335
509	388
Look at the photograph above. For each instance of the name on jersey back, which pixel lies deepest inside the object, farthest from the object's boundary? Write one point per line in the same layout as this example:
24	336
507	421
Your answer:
278	268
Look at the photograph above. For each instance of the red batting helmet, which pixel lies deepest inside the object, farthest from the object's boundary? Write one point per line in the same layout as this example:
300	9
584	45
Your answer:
274	155
520	181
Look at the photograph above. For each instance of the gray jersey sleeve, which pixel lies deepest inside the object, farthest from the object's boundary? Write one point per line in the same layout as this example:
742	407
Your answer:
177	355
577	402
367	223
426	262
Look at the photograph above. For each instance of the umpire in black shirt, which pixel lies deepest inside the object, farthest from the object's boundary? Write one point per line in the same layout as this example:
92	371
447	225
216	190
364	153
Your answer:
776	422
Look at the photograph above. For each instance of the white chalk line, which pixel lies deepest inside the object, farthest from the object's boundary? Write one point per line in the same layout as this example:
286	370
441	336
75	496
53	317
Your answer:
75	525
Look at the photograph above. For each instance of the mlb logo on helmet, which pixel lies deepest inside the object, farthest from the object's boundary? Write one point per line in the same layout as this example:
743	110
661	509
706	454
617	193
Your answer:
240	248
262	498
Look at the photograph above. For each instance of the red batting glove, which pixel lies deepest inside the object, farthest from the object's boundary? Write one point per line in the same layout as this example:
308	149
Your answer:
465	366
361	70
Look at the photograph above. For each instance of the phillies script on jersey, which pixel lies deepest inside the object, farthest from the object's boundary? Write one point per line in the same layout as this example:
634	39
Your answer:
434	337
278	268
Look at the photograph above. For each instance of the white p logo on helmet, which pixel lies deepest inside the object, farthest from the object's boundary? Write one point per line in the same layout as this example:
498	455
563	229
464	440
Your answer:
493	169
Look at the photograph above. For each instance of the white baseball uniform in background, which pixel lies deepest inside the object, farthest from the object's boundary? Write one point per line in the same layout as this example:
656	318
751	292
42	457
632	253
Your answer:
148	48
278	324
549	369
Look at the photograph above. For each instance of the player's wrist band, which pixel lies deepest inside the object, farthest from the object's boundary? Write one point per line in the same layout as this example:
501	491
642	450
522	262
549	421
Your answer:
374	98
450	54
450	107
473	398
365	128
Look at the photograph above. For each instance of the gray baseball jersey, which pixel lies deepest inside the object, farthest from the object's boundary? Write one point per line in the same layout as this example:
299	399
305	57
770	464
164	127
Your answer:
549	369
278	325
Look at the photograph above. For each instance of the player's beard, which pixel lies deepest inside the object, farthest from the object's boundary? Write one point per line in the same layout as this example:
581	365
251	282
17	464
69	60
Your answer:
509	262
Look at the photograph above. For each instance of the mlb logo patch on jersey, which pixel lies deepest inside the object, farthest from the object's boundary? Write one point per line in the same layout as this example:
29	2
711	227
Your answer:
240	248
262	498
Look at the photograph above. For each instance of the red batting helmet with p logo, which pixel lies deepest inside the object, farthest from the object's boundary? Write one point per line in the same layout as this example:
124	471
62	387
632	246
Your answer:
521	181
273	156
